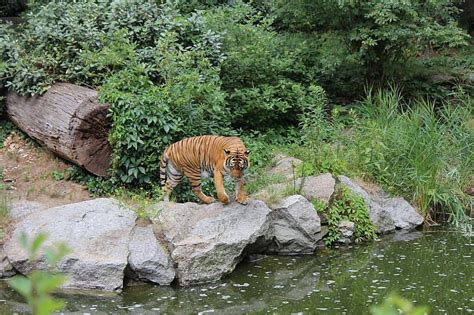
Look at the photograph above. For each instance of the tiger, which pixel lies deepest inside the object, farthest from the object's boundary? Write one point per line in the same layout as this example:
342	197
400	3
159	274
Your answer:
204	156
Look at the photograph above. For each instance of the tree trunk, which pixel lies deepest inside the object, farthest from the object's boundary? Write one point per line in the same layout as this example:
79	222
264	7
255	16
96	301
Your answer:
67	120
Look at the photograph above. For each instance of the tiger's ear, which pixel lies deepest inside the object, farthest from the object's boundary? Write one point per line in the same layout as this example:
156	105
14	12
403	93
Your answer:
226	152
247	152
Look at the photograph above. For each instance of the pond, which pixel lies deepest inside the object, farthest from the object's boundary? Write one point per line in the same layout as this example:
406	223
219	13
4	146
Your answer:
434	268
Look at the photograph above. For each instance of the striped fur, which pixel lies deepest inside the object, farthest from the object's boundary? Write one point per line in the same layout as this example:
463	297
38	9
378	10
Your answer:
201	156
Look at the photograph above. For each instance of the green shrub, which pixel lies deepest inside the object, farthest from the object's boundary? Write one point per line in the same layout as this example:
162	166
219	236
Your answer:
379	33
345	205
60	40
262	76
147	117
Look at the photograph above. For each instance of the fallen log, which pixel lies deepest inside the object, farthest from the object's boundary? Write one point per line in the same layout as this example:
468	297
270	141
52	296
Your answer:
69	121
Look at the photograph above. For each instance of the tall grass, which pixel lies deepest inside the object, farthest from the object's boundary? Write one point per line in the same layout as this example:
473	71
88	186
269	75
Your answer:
421	150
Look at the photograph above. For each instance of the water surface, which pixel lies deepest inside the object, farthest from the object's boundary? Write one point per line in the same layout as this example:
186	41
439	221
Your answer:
431	268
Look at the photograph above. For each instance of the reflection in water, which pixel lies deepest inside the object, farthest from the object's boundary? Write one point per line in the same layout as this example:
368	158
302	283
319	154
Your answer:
427	268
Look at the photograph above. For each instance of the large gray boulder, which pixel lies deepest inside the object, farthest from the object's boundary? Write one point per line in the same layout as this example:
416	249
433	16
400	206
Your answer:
149	259
207	241
294	227
386	213
98	233
319	187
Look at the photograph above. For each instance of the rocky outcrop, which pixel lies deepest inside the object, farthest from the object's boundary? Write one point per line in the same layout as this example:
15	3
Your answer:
207	241
386	213
196	243
295	227
97	232
148	259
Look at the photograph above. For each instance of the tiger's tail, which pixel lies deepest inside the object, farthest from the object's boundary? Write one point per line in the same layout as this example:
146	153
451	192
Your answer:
163	165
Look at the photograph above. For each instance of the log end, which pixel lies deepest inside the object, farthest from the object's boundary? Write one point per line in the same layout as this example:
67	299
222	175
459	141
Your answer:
92	148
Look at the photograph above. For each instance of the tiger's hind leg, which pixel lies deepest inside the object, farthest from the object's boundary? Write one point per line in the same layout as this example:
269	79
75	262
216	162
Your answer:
173	178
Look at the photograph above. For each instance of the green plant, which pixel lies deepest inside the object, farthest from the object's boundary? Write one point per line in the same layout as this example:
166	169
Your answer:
37	287
381	34
419	149
319	205
57	175
260	74
344	205
394	304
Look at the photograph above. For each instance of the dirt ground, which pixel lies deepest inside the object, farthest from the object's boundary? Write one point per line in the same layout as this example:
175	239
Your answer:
29	172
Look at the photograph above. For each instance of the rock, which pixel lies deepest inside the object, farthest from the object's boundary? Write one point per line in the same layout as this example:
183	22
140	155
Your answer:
98	233
312	187
148	258
285	166
22	208
346	232
207	241
6	269
318	187
402	213
294	227
386	213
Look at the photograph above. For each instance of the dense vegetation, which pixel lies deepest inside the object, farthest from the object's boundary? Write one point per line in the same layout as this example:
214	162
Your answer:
380	89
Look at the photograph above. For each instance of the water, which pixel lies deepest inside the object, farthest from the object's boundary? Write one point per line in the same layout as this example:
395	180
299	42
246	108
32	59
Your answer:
431	268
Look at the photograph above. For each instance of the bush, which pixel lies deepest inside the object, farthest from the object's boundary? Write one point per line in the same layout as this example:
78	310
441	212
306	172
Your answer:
344	205
60	39
147	117
260	73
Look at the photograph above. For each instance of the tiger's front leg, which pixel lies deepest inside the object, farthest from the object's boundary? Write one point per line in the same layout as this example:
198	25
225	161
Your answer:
240	194
195	181
219	184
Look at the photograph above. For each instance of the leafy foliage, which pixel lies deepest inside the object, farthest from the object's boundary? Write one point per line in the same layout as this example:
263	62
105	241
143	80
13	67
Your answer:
379	33
345	205
37	287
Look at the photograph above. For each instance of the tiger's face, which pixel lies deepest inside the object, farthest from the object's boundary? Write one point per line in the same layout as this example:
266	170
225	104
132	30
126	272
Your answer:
236	162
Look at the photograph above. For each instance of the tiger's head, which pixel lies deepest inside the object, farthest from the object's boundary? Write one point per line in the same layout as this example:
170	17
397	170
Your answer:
236	162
